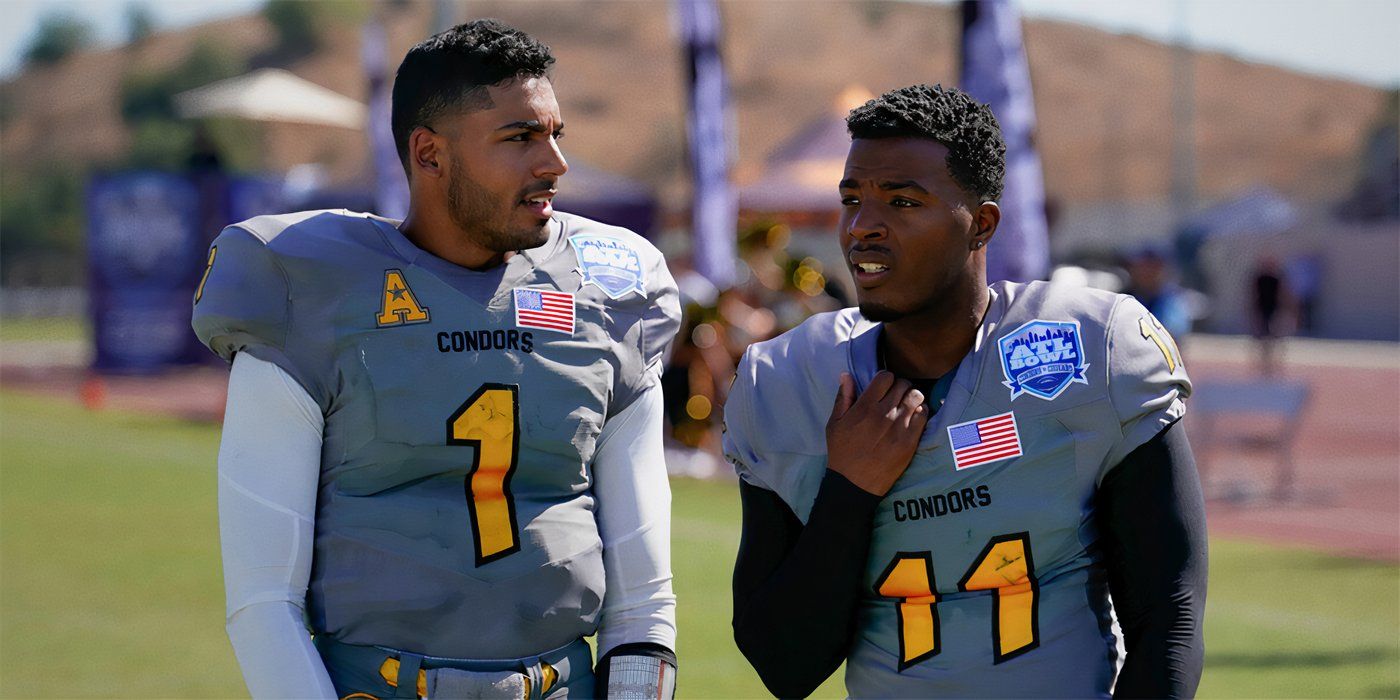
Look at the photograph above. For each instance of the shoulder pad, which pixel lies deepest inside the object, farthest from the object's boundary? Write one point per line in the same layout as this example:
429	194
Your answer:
633	278
775	417
1148	383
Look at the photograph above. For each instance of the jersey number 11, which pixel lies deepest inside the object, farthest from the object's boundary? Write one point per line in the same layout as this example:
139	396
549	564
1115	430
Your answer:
1003	566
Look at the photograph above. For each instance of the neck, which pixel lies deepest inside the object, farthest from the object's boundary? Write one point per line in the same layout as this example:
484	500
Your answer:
932	342
433	230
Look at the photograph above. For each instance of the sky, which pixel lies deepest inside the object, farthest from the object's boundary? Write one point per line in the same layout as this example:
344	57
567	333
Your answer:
1353	39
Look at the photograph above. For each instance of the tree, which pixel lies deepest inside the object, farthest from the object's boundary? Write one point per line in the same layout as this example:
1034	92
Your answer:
301	25
296	23
140	23
159	137
58	36
146	96
43	213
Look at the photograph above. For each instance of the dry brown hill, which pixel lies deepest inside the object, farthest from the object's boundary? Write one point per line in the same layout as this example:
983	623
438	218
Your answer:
1103	100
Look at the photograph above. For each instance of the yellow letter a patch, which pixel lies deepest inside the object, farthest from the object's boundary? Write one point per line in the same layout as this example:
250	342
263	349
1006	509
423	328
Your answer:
400	307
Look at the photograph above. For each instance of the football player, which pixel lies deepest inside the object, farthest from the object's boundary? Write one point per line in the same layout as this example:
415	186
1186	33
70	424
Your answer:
442	445
946	487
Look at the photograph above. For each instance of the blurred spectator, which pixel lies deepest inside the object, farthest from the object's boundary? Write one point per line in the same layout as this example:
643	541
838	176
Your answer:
775	292
1271	297
695	380
204	155
1151	281
788	288
1304	274
205	166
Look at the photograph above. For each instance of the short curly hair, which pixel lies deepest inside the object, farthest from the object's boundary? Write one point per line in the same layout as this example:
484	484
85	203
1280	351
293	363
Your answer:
451	70
976	151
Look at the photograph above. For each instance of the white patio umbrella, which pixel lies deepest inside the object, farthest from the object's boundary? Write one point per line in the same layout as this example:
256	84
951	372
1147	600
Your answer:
273	95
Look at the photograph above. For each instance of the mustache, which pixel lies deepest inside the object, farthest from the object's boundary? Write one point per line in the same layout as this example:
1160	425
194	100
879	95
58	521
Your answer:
539	185
867	249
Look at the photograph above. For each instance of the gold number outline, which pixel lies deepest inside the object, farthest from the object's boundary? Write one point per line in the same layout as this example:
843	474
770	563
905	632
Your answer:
936	645
1148	326
998	656
208	267
452	439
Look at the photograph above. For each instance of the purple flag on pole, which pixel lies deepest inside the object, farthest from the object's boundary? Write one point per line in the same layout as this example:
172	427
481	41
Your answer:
994	71
714	207
390	182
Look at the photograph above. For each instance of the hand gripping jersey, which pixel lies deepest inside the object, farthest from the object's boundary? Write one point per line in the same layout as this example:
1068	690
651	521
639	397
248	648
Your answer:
984	577
454	512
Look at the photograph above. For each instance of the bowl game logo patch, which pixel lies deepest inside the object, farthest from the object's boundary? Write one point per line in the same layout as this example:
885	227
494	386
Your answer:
1042	358
609	264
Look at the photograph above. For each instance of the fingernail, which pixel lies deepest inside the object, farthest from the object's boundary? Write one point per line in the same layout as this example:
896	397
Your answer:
917	396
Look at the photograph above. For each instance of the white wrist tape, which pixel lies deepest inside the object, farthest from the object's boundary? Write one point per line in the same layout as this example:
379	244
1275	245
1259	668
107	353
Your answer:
632	677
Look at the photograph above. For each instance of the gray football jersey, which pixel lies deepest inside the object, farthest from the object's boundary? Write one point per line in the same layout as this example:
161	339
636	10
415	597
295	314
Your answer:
454	515
984	576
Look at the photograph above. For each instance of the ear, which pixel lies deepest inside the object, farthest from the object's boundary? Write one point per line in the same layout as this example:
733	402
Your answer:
425	152
984	223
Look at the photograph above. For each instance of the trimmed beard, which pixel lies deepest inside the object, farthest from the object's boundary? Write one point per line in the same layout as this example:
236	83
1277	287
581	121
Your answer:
469	206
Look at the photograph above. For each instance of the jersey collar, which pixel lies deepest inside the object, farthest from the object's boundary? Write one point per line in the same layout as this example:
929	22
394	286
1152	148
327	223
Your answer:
863	362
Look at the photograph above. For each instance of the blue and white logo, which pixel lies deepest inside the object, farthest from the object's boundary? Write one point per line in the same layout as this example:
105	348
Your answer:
611	264
1042	358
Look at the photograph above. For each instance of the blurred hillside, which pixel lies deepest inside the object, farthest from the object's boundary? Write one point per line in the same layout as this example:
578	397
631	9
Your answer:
1104	104
1104	100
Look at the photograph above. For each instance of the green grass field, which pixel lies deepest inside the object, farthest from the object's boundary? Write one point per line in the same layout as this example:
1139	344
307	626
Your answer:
110	585
61	328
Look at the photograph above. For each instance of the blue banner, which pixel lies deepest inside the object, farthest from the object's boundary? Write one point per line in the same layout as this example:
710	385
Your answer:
145	254
147	237
249	196
994	71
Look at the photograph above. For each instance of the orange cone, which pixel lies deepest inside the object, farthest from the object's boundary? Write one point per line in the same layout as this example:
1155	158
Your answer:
93	393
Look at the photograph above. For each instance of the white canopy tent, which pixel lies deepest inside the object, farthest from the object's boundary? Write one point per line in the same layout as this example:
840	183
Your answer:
274	95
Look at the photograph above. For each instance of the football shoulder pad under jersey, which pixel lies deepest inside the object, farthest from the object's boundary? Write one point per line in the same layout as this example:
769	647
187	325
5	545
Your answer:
776	413
627	275
245	303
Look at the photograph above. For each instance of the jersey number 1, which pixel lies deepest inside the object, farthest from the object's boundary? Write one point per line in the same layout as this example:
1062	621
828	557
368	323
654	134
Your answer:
488	421
1004	566
1153	331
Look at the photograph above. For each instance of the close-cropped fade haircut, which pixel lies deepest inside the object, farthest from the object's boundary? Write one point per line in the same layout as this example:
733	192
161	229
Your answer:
451	70
967	128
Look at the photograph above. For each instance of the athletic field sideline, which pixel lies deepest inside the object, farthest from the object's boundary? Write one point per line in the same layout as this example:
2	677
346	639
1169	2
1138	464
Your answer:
110	584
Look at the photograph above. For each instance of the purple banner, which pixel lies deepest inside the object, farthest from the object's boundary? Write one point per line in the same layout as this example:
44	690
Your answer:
994	71
147	237
145	257
714	206
390	182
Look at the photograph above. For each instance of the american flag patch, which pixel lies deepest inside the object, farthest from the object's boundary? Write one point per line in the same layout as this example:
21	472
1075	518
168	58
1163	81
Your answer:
985	440
550	311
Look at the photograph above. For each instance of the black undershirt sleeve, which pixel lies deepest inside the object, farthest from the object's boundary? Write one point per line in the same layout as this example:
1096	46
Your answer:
796	587
1153	523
